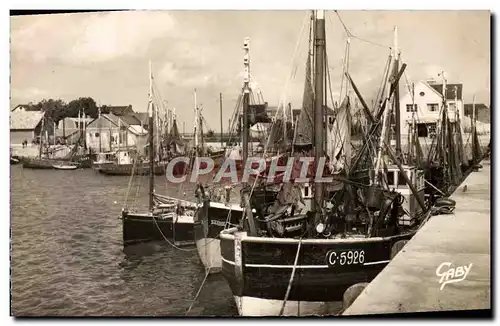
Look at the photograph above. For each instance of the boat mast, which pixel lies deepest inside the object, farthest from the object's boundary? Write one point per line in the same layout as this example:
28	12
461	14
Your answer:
195	122
99	125
151	145
200	121
41	137
383	131
318	143
221	129
246	98
397	109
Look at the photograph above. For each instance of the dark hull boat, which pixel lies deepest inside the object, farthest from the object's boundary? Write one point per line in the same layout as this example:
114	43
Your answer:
299	253
129	169
39	163
259	271
171	220
213	217
14	160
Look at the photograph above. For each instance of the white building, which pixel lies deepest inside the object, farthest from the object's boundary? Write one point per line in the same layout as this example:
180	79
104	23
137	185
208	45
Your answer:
426	106
111	132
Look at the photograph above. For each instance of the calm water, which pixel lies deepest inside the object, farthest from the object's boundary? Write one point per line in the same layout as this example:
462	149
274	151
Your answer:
67	257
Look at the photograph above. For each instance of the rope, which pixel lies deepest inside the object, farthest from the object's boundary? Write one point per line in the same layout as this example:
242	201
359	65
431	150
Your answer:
349	34
164	237
129	185
291	278
208	269
199	291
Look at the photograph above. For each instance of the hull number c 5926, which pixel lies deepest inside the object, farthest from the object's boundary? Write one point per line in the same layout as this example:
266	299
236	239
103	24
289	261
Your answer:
345	257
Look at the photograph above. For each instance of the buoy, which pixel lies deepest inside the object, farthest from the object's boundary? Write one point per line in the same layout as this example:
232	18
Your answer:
352	293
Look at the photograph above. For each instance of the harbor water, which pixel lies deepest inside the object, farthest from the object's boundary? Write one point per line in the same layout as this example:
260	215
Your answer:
67	257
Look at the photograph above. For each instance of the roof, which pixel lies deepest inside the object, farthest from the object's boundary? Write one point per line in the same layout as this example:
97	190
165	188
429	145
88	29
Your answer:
142	116
25	120
26	107
131	120
138	130
120	110
450	90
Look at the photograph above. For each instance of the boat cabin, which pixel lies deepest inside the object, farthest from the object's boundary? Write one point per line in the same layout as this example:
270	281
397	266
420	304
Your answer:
396	181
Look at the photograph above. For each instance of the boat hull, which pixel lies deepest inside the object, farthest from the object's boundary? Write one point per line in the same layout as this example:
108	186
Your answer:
257	307
258	271
210	219
41	164
140	228
126	169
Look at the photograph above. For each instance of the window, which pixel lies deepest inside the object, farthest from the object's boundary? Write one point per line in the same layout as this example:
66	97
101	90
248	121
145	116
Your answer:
432	107
422	94
409	108
452	106
97	134
390	178
401	179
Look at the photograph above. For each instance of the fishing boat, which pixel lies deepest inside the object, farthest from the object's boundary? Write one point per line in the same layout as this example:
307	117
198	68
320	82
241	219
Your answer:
43	161
14	160
219	206
126	163
167	218
299	254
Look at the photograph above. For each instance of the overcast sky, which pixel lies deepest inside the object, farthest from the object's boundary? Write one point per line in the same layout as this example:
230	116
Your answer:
105	55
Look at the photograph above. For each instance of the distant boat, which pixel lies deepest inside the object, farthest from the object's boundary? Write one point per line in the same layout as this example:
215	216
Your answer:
14	160
65	166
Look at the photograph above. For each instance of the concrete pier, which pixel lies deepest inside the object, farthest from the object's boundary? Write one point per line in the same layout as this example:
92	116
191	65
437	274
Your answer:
453	247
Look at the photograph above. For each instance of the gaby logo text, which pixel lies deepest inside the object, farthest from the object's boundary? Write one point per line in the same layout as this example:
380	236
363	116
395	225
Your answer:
449	274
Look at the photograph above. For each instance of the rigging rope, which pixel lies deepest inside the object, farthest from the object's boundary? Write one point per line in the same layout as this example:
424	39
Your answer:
291	278
294	63
349	34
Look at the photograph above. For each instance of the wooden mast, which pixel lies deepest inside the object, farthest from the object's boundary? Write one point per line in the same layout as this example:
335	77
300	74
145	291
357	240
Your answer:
397	108
246	99
195	123
41	137
221	128
151	145
319	43
100	127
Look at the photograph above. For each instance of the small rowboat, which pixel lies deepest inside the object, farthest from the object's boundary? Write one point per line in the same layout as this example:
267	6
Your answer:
14	160
65	167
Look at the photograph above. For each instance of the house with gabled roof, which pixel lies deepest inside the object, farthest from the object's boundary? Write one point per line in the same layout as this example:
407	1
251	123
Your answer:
25	125
110	132
24	107
426	105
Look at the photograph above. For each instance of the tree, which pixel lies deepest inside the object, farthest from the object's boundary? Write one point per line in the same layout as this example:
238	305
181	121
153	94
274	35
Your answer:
85	105
54	109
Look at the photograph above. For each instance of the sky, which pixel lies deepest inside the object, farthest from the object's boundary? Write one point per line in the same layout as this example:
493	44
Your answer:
105	55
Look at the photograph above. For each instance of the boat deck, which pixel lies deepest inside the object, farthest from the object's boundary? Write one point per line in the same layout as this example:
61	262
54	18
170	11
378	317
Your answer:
410	282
